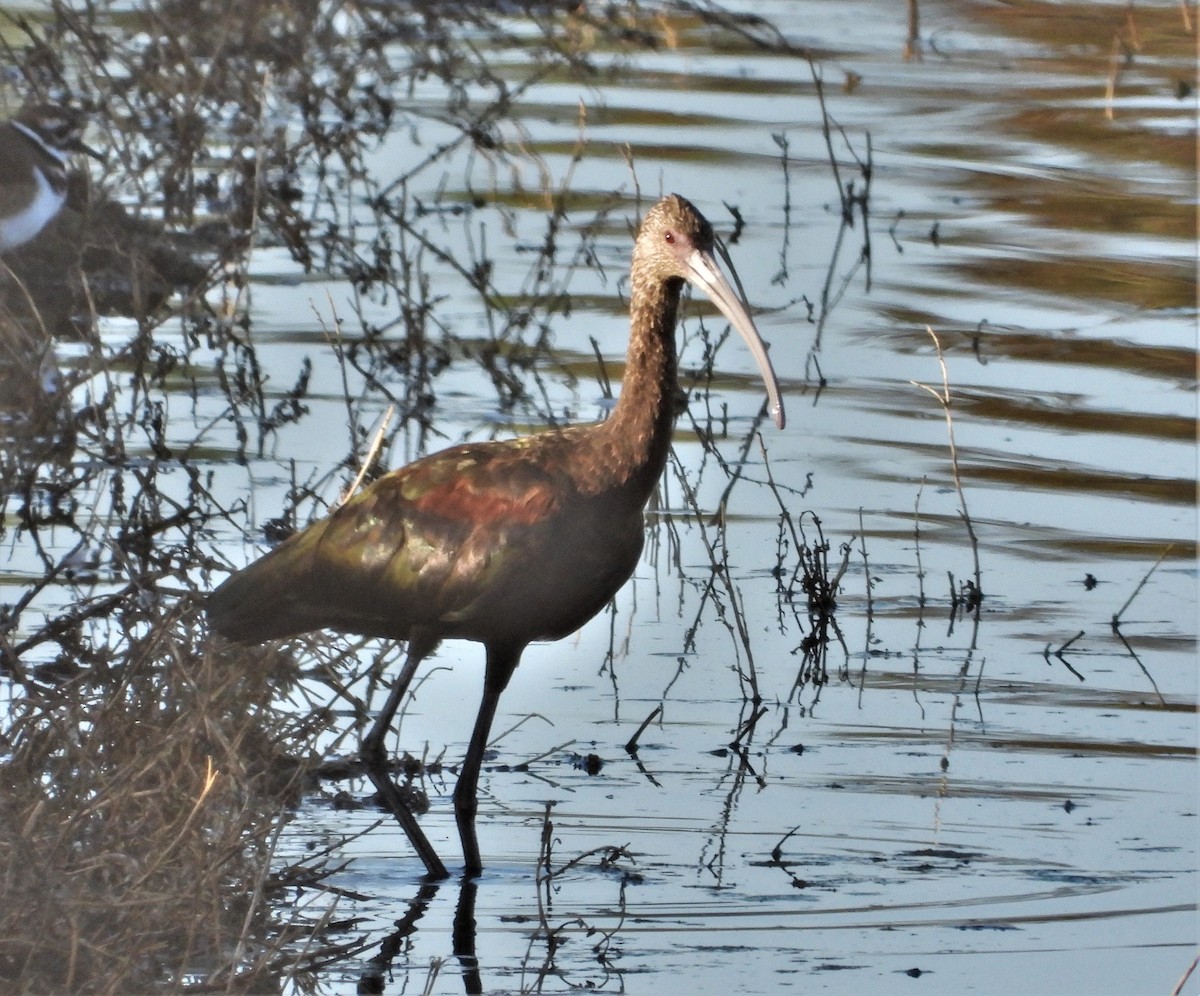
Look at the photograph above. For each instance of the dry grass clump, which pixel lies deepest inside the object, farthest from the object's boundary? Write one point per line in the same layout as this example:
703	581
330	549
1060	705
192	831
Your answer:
137	818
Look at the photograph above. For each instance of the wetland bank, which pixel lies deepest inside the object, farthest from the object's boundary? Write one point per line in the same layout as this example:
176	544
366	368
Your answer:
857	775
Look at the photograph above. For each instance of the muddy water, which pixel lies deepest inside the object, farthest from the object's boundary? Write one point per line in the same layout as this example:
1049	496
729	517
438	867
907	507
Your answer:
957	807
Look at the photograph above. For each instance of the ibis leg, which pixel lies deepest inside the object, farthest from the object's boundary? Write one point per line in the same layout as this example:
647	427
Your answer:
375	760
501	662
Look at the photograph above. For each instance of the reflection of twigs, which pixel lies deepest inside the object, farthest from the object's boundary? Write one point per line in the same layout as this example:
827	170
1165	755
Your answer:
1059	654
777	850
916	654
736	469
978	683
862	543
525	765
1116	622
631	746
719	842
917	551
1138	661
944	779
975	594
521	722
553	936
777	859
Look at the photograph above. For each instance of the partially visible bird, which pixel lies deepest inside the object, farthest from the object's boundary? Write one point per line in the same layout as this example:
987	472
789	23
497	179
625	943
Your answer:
35	148
504	542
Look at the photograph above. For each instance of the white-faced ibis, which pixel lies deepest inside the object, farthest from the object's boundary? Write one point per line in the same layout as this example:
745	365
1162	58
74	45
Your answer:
501	542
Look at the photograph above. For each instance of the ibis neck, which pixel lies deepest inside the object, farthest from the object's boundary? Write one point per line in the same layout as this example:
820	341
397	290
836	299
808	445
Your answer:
637	436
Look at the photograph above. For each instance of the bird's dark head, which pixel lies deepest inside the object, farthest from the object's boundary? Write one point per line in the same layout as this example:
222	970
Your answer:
671	231
59	127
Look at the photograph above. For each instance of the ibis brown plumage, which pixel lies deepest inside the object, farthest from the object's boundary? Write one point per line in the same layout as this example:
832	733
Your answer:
502	542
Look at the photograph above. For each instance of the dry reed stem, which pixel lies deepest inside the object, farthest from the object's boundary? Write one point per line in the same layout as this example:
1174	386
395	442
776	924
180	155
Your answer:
1116	619
369	460
1177	991
912	43
944	399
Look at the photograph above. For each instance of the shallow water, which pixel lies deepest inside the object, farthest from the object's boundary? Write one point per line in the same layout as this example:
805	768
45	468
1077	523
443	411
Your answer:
958	808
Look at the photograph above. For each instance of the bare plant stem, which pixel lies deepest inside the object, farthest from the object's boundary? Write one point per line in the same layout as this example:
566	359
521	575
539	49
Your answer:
976	598
1186	975
912	44
632	745
719	562
1116	619
781	139
862	545
828	136
372	453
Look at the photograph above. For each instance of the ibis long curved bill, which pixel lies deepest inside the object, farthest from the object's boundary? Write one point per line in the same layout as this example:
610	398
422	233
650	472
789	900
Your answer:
704	274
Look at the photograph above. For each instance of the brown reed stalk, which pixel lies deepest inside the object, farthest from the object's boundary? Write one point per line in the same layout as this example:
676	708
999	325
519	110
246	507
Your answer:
975	598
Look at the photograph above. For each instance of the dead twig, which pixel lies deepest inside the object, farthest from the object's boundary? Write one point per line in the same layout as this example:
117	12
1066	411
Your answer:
1116	619
631	745
974	598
